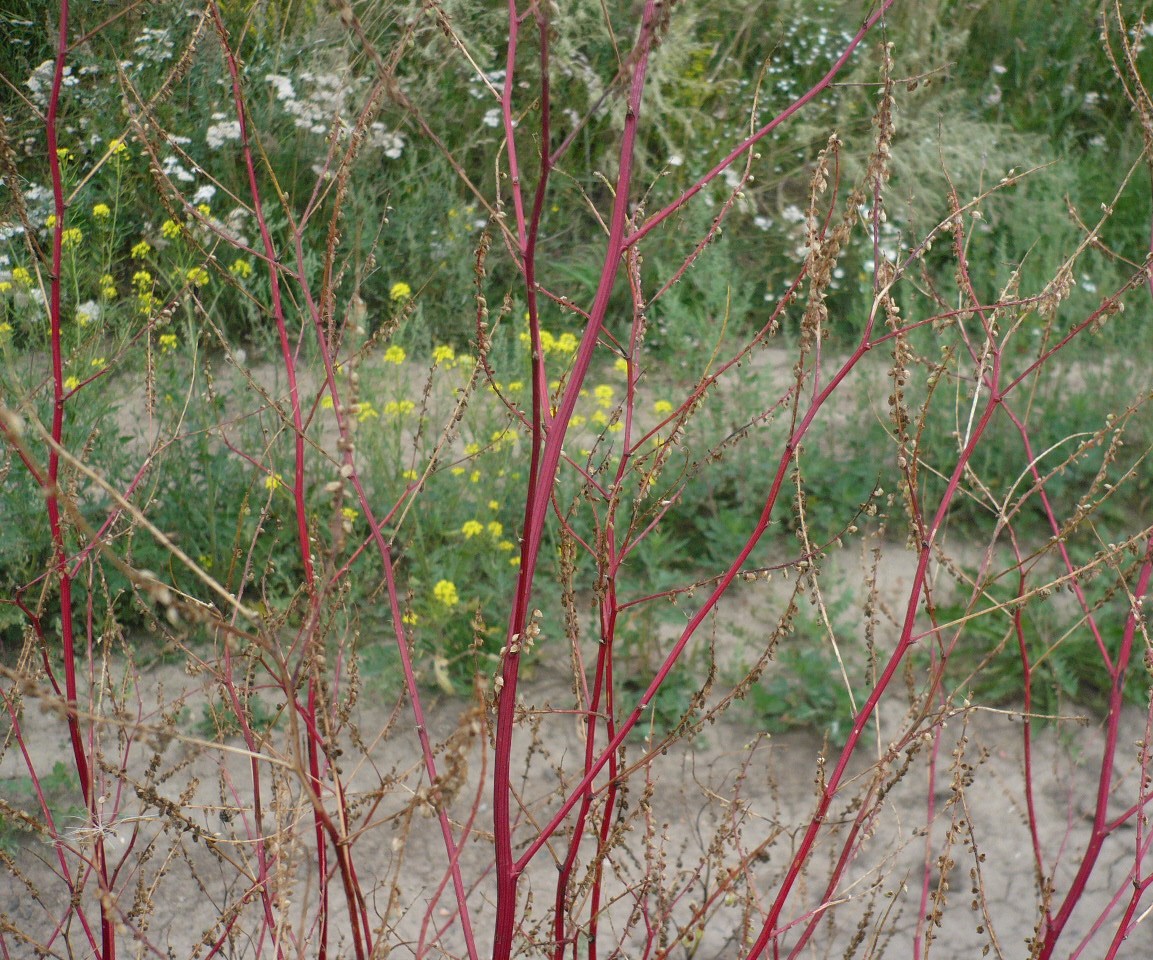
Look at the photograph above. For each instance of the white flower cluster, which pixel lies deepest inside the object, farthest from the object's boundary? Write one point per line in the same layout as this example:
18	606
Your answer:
221	131
329	99
40	81
155	44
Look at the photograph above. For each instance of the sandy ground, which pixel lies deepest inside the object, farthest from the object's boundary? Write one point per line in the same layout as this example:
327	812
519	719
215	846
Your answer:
954	824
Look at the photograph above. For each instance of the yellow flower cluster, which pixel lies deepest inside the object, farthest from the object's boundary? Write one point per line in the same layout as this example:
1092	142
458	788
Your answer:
395	354
364	411
197	276
565	344
445	592
400	292
398	408
241	268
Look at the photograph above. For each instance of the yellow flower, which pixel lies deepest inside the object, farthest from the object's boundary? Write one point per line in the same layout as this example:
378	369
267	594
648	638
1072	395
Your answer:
170	229
326	403
107	286
458	471
167	342
241	268
101	211
72	237
71	383
445	592
364	411
205	561
410	618
145	303
119	149
349	514
395	354
5	329
472	449
204	209
63	154
599	418
472	528
197	276
443	354
514	561
547	341
495	528
272	481
662	406
577	420
5	286
621	365
51	221
515	387
567	343
409	475
399	292
616	426
99	362
474	477
604	394
142	280
398	408
141	250
506	545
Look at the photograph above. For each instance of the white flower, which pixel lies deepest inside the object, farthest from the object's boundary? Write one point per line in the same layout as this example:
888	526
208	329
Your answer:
676	160
87	312
40	80
762	223
391	143
174	168
283	85
203	194
221	132
492	117
793	214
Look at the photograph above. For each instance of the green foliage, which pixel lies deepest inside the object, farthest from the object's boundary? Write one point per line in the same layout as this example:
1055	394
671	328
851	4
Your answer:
804	689
1066	669
21	807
